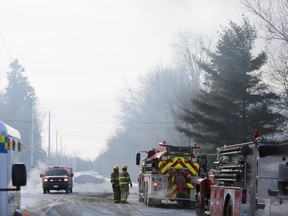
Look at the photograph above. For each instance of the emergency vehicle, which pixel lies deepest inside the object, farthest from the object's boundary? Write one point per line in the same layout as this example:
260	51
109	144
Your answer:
10	174
247	179
169	173
57	178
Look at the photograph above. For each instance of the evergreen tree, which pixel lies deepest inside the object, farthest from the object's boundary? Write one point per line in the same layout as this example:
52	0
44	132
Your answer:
18	109
237	102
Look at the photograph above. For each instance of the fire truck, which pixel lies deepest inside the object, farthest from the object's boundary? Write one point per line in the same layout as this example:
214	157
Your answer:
57	178
247	179
12	175
169	173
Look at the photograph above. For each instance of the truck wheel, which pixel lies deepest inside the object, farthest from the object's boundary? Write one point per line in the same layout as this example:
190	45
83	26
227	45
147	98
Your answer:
44	191
67	190
146	196
190	204
180	203
200	211
70	190
140	198
150	202
156	202
229	208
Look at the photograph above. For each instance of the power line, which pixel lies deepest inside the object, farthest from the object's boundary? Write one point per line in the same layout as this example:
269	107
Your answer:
5	46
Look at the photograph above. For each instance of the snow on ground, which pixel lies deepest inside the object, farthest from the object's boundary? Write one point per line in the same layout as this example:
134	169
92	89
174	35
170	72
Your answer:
34	185
89	199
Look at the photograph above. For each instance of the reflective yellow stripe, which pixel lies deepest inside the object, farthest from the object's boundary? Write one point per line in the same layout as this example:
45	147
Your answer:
179	165
189	185
2	139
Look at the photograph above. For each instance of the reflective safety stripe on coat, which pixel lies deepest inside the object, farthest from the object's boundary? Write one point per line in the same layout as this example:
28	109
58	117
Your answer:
124	178
115	179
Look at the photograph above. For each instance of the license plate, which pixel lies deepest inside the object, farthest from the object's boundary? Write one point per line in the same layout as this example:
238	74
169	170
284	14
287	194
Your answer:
55	186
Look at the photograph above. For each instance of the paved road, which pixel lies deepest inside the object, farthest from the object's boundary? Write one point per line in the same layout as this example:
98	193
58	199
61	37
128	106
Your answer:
87	203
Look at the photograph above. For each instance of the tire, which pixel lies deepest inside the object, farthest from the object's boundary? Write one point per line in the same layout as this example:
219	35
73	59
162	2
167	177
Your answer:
146	199
44	191
180	203
140	198
67	190
70	190
229	208
191	204
150	202
157	202
200	211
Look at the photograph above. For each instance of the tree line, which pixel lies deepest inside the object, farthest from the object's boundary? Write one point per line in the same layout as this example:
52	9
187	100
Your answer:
213	93
20	109
216	90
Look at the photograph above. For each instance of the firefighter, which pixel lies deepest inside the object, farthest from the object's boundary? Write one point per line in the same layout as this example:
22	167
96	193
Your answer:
115	184
124	180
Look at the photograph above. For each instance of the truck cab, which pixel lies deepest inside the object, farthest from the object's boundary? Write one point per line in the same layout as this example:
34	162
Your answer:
57	178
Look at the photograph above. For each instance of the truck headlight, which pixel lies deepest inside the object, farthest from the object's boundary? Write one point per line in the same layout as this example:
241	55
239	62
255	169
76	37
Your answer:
65	179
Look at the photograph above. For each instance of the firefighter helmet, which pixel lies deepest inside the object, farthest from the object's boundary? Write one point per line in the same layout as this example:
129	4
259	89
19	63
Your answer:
116	167
124	167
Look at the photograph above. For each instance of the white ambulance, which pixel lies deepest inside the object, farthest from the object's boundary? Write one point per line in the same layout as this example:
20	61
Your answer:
12	175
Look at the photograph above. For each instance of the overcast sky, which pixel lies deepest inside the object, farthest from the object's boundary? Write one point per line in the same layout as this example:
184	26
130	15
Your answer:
79	53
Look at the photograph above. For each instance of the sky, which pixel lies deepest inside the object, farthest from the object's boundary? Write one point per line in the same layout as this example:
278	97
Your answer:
80	54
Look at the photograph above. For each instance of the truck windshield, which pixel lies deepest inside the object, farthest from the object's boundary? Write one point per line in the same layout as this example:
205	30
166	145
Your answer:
56	172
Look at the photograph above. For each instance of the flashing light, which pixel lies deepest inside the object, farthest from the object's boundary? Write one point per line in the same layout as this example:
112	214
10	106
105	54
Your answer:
155	185
194	160
164	157
256	134
162	143
9	144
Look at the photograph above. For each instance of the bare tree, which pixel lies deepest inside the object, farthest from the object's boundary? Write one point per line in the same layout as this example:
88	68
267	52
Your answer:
279	71
273	20
273	15
190	49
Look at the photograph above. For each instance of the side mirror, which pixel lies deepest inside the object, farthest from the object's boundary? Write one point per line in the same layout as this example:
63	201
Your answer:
72	175
154	163
138	158
41	175
19	175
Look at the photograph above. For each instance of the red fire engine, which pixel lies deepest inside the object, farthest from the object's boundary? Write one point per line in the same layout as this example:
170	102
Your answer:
247	179
169	173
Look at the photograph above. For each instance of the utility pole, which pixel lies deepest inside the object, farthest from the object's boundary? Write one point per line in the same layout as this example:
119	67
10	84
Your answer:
32	131
56	143
57	156
49	135
61	150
